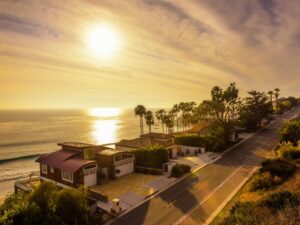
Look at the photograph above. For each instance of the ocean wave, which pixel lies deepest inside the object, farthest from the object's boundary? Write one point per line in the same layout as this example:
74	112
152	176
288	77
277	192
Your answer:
19	158
19	176
13	144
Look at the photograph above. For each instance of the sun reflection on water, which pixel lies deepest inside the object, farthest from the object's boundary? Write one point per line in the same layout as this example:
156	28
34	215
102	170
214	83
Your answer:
104	131
104	124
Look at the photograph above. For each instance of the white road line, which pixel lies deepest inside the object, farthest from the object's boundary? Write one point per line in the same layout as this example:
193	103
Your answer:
207	197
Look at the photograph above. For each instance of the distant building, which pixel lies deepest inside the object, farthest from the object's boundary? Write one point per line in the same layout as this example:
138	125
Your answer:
148	141
79	164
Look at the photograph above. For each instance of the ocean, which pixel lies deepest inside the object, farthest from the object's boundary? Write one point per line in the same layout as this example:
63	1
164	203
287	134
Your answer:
26	134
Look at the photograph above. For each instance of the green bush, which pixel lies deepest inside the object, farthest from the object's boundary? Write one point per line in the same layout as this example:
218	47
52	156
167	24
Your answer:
290	154
242	213
180	169
151	157
193	140
46	205
262	181
278	167
281	200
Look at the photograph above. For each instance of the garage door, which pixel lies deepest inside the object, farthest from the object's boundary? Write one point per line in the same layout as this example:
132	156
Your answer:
124	168
90	178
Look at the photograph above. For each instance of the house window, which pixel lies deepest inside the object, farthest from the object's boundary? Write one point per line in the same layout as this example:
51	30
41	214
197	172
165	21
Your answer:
44	168
51	169
67	176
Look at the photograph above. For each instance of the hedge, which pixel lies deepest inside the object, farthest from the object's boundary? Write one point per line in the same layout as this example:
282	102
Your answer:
192	140
151	157
180	169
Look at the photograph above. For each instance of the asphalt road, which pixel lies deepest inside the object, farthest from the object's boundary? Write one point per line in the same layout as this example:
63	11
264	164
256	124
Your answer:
193	200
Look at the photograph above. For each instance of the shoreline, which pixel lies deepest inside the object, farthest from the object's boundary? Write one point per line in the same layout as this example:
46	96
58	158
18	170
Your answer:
7	188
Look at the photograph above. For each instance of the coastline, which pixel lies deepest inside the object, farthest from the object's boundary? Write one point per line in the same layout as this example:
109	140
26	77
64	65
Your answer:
7	188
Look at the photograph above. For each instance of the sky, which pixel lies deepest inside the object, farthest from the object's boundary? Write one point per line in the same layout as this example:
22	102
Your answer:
169	51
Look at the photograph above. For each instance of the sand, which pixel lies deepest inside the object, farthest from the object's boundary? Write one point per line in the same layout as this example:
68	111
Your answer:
6	188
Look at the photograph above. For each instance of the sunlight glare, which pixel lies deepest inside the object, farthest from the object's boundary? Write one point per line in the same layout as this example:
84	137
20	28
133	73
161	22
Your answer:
103	40
104	112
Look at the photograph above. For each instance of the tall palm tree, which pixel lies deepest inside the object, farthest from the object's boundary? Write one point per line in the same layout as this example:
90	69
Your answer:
276	94
159	116
169	121
182	108
140	111
149	119
271	93
175	110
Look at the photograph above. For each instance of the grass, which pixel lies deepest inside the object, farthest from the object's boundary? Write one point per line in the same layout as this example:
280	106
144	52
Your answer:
244	195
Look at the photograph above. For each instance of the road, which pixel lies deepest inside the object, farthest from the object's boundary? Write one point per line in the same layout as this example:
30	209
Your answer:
195	199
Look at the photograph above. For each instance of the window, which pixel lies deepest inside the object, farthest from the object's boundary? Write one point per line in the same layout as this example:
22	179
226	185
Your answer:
51	169
67	176
44	168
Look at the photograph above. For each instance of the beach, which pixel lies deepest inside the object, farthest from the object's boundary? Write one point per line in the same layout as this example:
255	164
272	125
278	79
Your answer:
26	134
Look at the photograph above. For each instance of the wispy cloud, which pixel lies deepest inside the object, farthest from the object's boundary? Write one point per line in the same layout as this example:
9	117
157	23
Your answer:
181	48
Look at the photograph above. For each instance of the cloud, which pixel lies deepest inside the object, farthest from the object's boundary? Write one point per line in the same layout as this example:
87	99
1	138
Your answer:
181	48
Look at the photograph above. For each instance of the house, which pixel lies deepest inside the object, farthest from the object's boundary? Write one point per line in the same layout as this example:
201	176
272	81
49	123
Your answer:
148	141
77	164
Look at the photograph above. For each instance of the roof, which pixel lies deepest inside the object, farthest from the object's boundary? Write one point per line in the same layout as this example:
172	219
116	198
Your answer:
143	142
74	164
79	146
157	135
65	160
199	127
110	152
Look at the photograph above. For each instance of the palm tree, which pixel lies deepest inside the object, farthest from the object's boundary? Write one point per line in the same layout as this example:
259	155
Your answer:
271	93
149	119
276	94
140	111
182	108
175	110
159	116
168	119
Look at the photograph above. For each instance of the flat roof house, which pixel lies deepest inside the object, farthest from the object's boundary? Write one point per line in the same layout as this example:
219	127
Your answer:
77	164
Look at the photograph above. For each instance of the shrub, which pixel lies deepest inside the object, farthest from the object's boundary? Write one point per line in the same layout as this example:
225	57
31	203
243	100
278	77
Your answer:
193	140
261	181
291	132
281	200
242	213
290	154
278	167
151	157
180	169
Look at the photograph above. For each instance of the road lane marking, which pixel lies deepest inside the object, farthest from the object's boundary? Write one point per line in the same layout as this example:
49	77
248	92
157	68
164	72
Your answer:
207	197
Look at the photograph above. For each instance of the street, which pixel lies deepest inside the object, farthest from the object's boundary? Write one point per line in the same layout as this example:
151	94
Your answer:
195	199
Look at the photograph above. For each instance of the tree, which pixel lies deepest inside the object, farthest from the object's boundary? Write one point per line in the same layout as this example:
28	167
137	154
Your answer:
255	108
168	120
159	116
222	108
271	93
175	110
140	111
291	132
72	206
276	94
149	119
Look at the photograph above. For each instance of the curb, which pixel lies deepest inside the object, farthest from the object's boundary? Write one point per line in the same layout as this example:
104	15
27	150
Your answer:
180	179
194	171
228	199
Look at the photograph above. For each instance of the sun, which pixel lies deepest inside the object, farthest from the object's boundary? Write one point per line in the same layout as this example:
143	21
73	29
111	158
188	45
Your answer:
103	40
